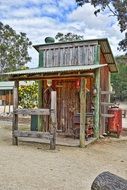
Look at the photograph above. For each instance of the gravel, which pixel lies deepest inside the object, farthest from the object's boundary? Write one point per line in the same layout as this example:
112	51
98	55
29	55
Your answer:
32	166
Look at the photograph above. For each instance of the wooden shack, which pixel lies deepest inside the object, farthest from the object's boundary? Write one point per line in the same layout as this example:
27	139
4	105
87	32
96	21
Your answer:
6	94
79	72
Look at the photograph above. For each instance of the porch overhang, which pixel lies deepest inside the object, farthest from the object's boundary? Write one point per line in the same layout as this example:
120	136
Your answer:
53	72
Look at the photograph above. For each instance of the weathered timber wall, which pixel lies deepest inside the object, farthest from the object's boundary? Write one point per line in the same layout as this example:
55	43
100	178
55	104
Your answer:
104	87
72	55
104	75
68	103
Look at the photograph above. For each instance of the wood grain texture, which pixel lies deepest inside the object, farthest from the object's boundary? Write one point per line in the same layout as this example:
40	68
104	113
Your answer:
53	120
97	96
40	105
82	112
15	116
33	134
32	111
97	103
73	55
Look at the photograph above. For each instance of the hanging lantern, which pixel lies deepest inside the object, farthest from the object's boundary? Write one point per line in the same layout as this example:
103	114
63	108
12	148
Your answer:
78	84
49	82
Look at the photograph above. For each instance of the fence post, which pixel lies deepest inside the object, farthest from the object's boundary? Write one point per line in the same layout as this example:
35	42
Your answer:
82	112
53	120
15	116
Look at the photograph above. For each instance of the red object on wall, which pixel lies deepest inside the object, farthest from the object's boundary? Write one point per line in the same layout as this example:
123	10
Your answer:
78	84
115	123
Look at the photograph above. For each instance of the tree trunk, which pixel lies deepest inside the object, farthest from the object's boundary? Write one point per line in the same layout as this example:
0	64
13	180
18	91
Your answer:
109	181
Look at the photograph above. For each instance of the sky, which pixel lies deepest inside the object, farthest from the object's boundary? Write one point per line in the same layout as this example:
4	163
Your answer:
42	18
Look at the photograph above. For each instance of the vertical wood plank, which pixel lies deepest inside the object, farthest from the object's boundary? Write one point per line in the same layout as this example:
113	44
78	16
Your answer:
42	62
5	103
82	111
9	101
41	58
97	97
109	86
15	116
61	57
53	120
40	104
97	103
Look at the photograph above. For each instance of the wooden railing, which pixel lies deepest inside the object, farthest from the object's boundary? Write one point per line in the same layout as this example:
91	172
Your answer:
51	135
32	111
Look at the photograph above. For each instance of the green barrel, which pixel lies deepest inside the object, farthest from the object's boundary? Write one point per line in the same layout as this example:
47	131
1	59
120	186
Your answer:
34	122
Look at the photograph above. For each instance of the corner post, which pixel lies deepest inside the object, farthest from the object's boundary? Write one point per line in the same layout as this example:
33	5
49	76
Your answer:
97	103
53	120
40	104
82	112
15	116
40	92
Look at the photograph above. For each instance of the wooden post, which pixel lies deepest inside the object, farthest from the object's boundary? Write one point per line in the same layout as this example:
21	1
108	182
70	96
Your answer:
9	101
97	103
82	112
5	103
40	92
53	120
40	104
15	116
109	86
97	96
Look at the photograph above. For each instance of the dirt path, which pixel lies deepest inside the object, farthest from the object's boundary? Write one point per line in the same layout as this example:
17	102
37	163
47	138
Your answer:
34	167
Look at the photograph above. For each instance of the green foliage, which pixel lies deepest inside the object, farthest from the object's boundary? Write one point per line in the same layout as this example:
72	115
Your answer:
67	37
13	49
119	80
28	95
117	8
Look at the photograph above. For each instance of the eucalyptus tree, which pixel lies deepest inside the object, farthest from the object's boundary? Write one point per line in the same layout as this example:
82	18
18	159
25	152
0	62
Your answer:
13	49
118	9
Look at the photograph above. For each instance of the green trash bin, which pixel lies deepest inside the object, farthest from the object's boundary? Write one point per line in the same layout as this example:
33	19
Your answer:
34	122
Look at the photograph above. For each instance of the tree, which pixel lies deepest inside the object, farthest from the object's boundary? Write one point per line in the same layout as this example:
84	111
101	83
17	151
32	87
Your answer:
28	95
117	8
13	49
67	37
119	80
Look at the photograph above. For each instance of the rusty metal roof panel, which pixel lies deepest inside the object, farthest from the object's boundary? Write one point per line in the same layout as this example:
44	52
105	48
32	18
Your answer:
43	70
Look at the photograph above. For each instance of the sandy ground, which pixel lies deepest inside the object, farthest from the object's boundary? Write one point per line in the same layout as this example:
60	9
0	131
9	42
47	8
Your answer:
35	167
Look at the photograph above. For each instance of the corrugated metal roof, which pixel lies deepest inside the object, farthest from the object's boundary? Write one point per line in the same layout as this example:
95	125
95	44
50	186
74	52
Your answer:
6	85
37	47
6	88
106	49
103	42
55	69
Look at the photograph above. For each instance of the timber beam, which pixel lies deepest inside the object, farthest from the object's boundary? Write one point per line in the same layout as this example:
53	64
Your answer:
53	77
